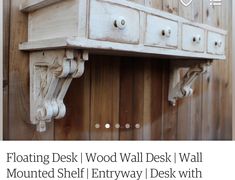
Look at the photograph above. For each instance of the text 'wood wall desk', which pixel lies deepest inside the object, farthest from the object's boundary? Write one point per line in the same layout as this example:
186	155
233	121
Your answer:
62	33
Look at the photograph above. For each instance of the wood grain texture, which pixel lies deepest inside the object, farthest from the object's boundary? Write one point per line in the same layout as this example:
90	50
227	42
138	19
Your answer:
129	90
1	71
131	99
19	126
6	40
76	124
104	97
169	113
33	5
196	99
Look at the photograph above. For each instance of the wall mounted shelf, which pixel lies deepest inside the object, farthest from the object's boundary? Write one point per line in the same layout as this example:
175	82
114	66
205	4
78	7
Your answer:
62	33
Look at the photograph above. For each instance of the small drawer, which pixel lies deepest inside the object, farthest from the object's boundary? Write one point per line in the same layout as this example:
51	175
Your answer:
193	38
161	32
215	43
115	23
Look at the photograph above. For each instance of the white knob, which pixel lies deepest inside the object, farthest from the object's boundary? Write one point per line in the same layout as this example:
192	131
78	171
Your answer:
218	43
197	39
120	23
166	32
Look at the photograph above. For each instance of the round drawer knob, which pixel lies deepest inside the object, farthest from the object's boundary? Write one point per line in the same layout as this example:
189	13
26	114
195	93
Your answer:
197	39
166	32
120	23
218	43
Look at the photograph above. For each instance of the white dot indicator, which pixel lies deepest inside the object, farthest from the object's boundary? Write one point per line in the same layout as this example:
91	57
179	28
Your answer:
137	126
107	126
117	126
128	126
97	126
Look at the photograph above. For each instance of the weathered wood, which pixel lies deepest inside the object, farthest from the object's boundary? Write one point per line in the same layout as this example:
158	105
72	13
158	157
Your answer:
33	5
154	4
196	99
184	106
6	40
208	112
169	113
104	98
51	73
19	126
76	124
116	33
206	120
171	6
226	69
1	71
152	117
131	99
233	67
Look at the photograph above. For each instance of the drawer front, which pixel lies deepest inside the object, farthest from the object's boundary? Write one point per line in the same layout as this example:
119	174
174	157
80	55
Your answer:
216	43
161	32
193	38
115	23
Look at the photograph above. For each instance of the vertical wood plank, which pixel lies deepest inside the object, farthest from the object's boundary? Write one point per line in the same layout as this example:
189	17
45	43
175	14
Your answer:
1	70
170	112
76	124
138	1
6	40
233	67
196	99
104	97
19	126
156	100
171	6
154	4
131	99
169	115
153	73
225	94
184	121
210	85
147	101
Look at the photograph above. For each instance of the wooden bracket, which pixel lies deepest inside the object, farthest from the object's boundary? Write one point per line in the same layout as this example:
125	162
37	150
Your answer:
182	87
51	73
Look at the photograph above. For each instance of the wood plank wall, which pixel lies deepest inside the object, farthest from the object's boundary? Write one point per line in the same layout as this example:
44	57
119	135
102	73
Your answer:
1	71
125	90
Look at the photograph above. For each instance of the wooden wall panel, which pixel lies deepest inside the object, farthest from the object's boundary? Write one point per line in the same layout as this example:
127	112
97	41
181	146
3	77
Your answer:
127	90
169	113
19	126
1	71
131	98
226	94
184	126
196	99
76	124
104	97
6	40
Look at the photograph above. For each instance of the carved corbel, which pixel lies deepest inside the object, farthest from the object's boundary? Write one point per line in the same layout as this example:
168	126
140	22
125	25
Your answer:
51	73
182	87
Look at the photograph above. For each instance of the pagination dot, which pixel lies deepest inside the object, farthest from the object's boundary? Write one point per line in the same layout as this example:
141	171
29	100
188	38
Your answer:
107	126
97	126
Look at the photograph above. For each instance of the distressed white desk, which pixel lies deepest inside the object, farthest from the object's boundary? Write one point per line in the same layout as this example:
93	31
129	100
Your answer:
61	34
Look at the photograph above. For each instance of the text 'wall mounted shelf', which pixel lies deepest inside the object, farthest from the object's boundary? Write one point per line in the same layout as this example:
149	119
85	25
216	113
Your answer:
62	33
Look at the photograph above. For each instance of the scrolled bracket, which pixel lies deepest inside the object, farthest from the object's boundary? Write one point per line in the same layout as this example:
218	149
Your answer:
182	87
51	73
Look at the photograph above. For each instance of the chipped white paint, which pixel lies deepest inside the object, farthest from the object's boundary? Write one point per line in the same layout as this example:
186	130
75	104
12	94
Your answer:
106	26
51	73
182	87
